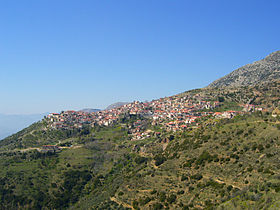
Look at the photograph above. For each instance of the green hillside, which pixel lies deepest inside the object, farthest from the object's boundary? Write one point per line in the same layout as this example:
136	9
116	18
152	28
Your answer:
213	164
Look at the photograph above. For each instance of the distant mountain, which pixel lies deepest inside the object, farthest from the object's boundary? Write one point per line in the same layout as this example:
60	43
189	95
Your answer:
263	70
88	110
116	105
10	124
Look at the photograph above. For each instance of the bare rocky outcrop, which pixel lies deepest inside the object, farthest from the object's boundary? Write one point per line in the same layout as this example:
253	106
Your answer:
264	70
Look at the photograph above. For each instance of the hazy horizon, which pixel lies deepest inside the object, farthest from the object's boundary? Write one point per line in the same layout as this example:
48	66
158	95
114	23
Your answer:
10	124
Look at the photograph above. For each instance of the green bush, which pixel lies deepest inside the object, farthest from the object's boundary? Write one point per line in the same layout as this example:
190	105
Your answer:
121	193
144	201
229	188
135	204
157	206
162	196
172	198
159	159
140	159
180	192
204	156
184	177
197	177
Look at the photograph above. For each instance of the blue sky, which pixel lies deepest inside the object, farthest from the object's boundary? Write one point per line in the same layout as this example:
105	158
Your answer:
67	54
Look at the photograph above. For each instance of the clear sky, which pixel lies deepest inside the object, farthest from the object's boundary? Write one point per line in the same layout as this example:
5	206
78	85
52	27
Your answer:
71	54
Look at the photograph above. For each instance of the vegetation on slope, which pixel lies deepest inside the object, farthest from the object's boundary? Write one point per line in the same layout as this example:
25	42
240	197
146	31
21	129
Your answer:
221	164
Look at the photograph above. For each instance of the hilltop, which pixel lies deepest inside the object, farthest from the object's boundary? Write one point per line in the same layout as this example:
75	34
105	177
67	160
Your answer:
265	70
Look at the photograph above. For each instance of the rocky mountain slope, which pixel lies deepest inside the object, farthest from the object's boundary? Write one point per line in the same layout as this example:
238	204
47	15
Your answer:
264	70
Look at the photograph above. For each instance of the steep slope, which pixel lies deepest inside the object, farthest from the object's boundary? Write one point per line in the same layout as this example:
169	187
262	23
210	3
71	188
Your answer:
229	164
265	70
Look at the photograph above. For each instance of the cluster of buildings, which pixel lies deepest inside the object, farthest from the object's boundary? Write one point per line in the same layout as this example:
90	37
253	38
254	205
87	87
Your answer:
172	113
178	113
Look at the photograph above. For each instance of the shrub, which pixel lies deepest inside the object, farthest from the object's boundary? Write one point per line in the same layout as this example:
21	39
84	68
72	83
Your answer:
159	159
157	206
140	160
204	156
239	132
172	198
180	192
184	177
268	171
260	147
144	201
197	177
191	188
250	169
153	192
214	184
229	188
260	169
135	204
162	196
268	155
221	99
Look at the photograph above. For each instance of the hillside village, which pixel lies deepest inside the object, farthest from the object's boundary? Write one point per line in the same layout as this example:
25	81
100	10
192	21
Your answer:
178	152
172	113
128	148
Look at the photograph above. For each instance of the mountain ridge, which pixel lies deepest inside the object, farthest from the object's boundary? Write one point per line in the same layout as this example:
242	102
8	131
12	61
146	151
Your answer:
264	70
